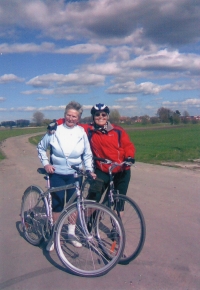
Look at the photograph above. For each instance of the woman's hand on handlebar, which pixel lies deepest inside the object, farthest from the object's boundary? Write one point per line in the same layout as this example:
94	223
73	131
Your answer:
49	168
91	174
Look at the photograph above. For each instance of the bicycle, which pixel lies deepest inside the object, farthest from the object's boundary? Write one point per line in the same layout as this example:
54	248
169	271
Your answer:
99	252
127	210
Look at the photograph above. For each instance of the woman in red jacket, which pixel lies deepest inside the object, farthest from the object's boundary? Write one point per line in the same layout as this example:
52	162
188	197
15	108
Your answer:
108	141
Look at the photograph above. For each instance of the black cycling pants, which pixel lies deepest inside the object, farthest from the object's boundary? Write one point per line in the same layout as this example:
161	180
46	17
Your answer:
121	182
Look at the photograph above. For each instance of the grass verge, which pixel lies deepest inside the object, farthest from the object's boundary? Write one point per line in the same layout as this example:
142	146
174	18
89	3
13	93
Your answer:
167	145
170	144
7	133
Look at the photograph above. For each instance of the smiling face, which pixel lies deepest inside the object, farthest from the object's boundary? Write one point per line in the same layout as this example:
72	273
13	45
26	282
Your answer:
100	118
71	118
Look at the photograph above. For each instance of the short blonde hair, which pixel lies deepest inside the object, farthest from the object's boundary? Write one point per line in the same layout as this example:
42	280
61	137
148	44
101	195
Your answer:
74	106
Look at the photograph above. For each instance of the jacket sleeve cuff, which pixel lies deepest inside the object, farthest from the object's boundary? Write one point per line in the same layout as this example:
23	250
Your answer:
45	162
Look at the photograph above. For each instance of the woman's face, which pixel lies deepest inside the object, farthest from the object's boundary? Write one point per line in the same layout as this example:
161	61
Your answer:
100	118
71	118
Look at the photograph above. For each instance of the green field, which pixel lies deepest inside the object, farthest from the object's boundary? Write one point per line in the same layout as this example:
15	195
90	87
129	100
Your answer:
7	133
173	144
153	145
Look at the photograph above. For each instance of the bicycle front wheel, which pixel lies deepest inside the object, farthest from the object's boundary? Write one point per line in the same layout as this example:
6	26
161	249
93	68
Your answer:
92	259
134	226
33	215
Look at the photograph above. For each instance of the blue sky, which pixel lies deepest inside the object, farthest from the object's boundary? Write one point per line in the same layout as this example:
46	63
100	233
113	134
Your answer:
135	56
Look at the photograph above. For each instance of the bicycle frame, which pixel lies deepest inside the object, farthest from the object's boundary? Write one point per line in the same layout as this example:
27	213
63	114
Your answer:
77	194
111	190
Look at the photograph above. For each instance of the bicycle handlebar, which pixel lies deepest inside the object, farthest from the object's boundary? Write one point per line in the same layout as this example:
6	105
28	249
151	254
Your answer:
76	168
107	161
81	172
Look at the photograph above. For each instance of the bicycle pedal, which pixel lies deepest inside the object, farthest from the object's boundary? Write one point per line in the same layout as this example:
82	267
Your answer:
114	235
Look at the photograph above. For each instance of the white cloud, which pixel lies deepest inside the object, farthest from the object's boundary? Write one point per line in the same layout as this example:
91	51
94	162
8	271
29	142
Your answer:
58	91
127	100
87	48
131	87
27	47
7	78
2	99
165	60
104	69
162	22
183	105
192	102
60	79
47	47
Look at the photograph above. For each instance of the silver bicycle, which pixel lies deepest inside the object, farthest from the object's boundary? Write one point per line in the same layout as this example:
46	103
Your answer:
95	224
127	210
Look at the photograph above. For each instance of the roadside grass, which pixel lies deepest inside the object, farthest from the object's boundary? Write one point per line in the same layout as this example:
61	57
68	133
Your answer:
35	139
153	145
167	145
7	133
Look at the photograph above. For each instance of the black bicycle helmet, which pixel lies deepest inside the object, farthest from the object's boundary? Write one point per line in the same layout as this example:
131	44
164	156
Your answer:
100	107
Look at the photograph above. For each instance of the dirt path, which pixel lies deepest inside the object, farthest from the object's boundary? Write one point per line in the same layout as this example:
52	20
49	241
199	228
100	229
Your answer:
169	199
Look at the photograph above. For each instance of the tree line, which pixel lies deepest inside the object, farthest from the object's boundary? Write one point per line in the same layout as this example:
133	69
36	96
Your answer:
163	115
37	120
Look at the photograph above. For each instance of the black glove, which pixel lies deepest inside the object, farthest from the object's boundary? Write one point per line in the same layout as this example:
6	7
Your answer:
52	127
130	159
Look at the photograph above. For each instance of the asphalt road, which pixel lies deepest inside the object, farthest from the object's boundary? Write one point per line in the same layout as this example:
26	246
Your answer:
169	199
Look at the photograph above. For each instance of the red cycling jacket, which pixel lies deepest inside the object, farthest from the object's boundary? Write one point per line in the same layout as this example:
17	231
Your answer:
115	144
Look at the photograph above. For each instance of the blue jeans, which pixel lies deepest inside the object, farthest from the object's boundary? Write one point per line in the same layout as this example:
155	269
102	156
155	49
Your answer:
58	198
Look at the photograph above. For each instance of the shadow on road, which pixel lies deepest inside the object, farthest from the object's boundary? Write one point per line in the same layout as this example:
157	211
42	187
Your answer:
42	246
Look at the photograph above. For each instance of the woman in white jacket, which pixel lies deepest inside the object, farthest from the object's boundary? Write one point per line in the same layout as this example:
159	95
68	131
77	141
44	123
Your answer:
69	145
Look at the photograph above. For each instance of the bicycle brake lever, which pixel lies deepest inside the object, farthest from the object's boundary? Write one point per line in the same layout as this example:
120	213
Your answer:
128	163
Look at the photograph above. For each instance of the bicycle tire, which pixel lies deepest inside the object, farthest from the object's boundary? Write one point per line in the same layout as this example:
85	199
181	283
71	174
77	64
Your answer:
90	260
134	226
33	214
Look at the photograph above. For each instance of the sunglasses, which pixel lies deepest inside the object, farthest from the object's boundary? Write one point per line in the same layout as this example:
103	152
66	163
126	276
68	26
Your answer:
100	114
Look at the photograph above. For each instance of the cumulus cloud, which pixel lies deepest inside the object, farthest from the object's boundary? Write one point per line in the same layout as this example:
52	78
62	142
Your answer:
58	91
60	79
127	100
87	48
165	60
104	69
187	102
2	99
143	48
26	47
7	78
47	47
162	22
132	87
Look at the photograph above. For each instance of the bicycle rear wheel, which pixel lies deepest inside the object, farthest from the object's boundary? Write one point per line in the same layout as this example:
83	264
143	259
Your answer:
134	226
91	260
33	215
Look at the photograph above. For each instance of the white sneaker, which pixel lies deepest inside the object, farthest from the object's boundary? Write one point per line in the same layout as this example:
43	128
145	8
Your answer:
74	241
50	245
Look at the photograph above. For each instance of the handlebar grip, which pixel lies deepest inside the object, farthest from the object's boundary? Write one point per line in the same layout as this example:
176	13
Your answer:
41	171
75	168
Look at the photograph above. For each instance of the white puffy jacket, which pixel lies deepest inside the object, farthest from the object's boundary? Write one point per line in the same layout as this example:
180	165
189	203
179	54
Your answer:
68	146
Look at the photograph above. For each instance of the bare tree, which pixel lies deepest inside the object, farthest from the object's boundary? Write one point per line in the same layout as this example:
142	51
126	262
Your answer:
114	116
164	114
38	118
186	117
